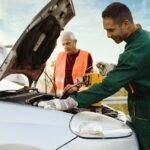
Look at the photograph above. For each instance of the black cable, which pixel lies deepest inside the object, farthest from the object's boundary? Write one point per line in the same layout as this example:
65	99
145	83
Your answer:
54	86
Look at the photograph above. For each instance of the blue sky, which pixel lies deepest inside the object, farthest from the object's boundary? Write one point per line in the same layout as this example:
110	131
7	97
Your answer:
15	15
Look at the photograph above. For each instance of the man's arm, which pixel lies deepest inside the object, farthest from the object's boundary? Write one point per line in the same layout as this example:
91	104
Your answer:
123	73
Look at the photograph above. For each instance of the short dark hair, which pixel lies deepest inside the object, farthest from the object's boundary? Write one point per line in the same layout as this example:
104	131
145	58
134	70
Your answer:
117	11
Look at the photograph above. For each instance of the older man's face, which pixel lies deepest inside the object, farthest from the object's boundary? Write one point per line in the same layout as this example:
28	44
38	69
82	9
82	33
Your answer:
118	32
69	45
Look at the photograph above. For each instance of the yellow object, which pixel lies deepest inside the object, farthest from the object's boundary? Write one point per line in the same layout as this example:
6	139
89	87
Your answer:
98	104
92	78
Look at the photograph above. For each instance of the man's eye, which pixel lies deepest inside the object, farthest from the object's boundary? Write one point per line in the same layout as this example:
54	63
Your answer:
110	30
66	43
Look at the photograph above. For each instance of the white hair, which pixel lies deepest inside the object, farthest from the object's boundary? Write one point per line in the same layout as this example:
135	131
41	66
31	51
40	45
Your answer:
70	35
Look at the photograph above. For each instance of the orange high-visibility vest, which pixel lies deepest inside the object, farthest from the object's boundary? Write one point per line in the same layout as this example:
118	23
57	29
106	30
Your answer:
78	71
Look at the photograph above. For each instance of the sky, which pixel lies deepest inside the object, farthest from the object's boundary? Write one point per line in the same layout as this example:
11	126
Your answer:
87	25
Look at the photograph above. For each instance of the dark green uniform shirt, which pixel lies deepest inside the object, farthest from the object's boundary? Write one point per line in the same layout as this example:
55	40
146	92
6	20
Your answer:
133	67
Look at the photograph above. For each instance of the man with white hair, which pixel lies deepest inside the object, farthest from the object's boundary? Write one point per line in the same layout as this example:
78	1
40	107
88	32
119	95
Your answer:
71	64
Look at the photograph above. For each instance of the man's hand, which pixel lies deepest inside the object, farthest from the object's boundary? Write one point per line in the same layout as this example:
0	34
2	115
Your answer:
59	104
71	88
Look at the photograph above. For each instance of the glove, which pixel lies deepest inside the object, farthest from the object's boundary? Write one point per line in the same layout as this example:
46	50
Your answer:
59	104
71	88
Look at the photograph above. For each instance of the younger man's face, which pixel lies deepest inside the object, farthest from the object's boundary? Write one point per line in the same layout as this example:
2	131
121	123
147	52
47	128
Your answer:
117	31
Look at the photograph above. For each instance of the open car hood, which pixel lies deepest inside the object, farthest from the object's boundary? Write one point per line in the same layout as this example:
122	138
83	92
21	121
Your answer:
31	51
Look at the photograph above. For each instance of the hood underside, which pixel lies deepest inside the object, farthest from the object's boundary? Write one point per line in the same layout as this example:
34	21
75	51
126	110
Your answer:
30	53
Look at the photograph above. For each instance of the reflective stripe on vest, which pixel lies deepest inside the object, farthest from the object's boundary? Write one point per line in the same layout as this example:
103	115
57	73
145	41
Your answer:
78	71
59	92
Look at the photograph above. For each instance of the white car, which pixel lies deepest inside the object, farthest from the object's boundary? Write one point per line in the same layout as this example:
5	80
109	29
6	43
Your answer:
27	127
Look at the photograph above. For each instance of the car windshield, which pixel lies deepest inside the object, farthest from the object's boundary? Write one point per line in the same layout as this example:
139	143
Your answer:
3	54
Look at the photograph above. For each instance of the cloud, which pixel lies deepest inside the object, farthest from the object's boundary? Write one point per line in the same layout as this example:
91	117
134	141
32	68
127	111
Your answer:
87	24
3	38
15	15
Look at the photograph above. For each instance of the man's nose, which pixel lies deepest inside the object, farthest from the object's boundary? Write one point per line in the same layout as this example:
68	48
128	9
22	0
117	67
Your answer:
109	34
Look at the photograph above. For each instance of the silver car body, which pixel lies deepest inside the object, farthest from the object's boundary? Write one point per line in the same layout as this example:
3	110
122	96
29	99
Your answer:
30	128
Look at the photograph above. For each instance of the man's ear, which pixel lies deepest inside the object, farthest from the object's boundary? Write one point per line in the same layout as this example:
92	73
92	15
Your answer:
126	23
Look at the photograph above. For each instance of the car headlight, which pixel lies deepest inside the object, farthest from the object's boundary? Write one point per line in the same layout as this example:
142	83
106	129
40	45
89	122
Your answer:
94	125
